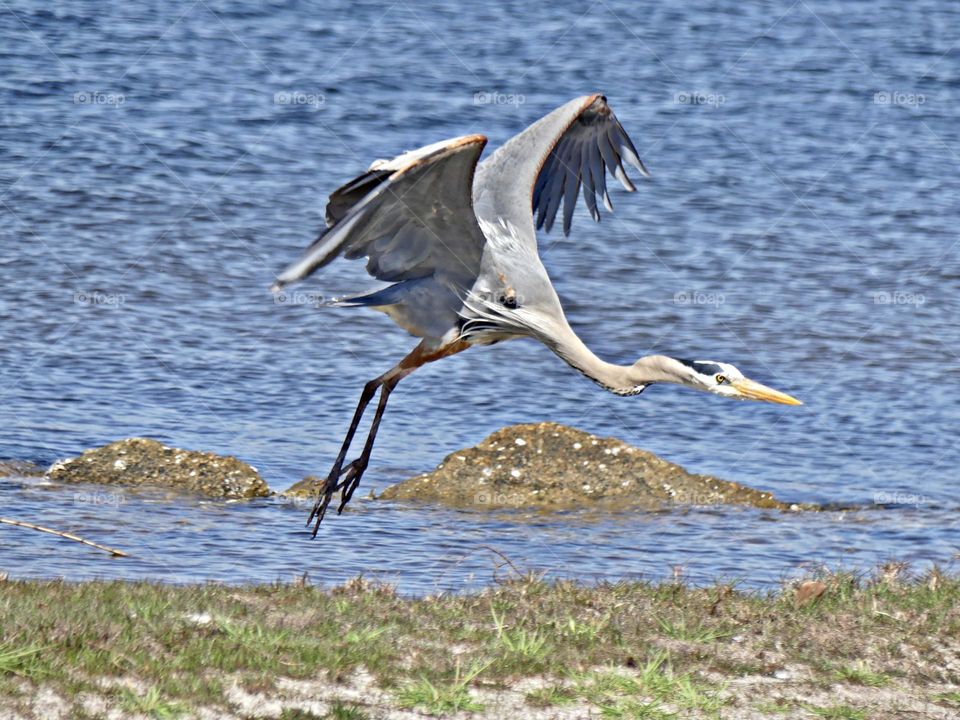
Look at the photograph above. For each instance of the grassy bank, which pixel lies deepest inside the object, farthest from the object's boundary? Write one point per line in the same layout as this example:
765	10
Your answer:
880	648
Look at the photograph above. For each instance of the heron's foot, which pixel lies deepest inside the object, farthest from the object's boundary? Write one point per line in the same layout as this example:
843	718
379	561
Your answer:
350	475
330	485
320	506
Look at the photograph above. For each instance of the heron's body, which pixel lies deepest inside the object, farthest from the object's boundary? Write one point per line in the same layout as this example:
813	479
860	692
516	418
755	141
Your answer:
456	241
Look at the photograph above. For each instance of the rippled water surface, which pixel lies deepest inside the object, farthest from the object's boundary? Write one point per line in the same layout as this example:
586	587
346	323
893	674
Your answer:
159	162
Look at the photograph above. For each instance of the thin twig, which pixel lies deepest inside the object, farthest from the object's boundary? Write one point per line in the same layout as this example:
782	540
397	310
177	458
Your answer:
472	552
504	558
68	536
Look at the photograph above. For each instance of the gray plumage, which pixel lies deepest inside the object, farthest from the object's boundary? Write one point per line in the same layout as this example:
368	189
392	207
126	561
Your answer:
456	240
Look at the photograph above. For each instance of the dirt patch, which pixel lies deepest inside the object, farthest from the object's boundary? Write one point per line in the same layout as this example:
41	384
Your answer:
141	461
549	465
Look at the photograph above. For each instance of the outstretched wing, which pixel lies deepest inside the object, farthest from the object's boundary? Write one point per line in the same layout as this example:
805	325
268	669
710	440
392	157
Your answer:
412	217
572	147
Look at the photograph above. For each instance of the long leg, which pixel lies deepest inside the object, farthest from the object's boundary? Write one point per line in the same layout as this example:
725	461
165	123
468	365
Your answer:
352	473
355	469
330	484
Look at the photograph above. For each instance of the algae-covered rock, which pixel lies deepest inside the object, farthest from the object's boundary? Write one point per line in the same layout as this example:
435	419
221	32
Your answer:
306	488
19	468
554	466
141	461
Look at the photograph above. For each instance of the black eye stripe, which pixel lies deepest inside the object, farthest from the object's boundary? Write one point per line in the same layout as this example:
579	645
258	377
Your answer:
703	367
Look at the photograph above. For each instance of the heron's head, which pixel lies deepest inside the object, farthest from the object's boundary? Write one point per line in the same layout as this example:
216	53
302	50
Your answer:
710	376
724	379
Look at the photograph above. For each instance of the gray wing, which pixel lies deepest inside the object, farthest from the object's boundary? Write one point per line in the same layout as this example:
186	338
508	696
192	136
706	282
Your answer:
548	163
412	217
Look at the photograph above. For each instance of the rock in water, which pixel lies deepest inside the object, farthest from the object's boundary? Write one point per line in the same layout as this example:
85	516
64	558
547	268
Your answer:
548	465
141	461
19	468
307	488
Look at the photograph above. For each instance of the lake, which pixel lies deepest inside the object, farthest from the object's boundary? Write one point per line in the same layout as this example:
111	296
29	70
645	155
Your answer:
161	162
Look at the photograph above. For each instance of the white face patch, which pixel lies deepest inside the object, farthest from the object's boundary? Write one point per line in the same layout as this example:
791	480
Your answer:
710	376
729	371
708	372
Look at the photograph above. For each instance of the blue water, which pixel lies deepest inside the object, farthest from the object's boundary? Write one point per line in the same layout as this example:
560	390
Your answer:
160	162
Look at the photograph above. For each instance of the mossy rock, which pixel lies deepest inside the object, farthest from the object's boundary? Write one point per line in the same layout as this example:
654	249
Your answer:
19	468
547	465
307	488
141	461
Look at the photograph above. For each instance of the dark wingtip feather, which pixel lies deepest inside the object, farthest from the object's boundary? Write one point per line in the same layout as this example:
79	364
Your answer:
628	151
571	163
620	174
638	164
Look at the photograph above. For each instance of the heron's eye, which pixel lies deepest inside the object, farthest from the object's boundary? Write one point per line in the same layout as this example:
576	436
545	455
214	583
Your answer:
721	379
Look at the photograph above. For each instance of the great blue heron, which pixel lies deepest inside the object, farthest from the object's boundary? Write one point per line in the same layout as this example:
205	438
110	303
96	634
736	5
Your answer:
456	240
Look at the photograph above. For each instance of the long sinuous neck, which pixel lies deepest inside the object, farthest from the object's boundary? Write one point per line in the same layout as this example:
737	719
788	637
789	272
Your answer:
619	379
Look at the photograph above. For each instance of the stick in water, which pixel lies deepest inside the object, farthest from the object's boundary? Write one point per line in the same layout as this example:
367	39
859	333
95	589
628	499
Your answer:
31	526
